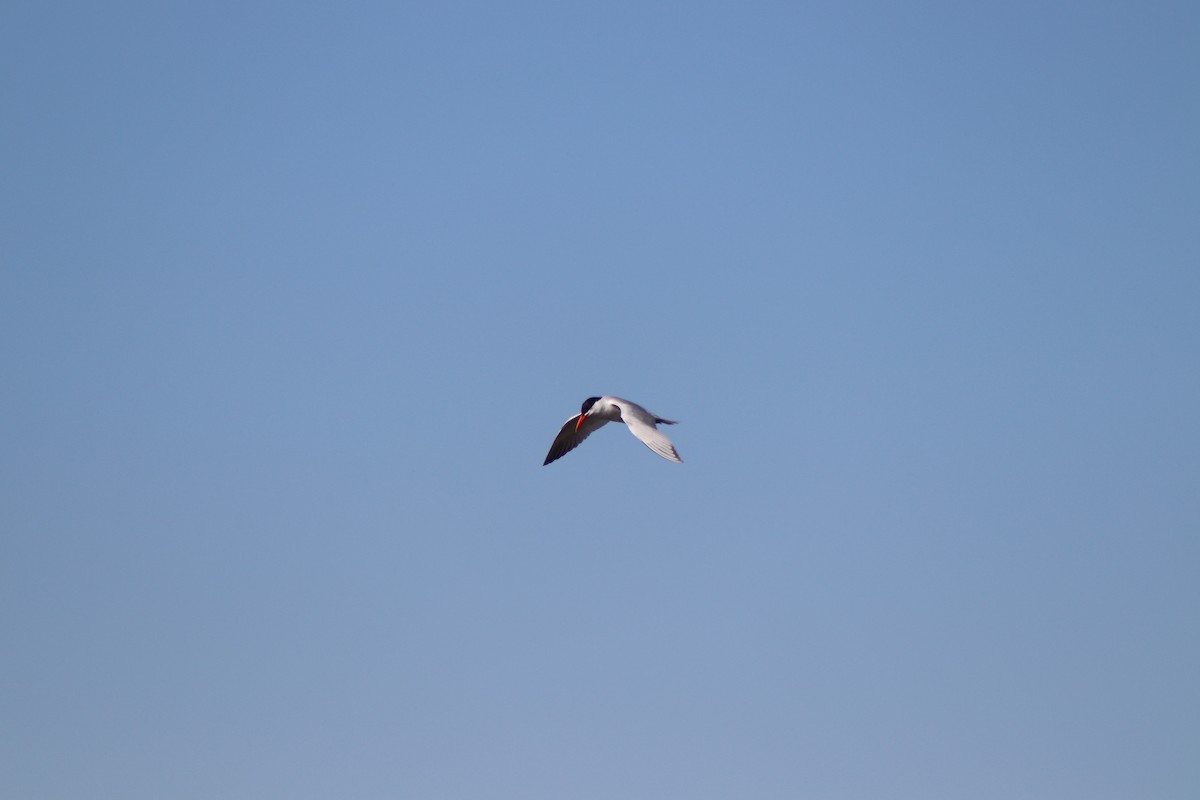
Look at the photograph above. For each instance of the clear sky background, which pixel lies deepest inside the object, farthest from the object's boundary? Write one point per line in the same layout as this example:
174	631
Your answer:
294	297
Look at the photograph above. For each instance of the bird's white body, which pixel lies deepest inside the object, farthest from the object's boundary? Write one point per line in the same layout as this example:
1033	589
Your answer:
598	412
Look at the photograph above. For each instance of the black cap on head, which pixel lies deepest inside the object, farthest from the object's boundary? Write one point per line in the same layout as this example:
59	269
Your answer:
587	405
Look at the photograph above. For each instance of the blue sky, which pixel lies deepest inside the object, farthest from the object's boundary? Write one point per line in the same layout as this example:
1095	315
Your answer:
294	298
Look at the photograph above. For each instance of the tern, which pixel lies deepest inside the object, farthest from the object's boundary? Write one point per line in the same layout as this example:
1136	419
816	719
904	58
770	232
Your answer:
596	412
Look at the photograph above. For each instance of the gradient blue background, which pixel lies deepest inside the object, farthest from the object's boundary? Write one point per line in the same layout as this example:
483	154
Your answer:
295	296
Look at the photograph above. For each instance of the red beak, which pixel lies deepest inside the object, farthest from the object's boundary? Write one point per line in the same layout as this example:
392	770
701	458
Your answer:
579	424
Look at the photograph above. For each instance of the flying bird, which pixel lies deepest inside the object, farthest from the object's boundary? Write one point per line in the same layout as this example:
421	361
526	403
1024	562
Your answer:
599	411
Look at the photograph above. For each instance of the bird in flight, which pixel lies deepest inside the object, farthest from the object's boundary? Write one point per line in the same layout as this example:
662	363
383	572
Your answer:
597	412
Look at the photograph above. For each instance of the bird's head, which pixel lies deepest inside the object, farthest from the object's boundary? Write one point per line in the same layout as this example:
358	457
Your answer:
584	409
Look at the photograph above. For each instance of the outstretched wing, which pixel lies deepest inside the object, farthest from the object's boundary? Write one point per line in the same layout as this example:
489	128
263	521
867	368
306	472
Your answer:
568	438
642	425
